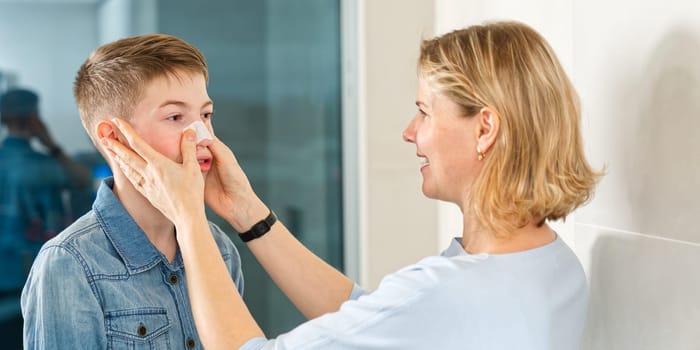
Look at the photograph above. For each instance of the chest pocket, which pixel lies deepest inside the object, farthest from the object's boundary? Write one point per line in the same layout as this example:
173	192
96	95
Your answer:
136	329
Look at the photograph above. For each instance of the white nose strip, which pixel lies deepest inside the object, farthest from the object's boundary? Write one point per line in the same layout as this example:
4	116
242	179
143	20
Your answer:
201	130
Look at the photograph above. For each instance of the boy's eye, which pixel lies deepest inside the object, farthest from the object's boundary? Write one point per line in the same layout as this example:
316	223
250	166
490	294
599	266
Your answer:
208	115
174	117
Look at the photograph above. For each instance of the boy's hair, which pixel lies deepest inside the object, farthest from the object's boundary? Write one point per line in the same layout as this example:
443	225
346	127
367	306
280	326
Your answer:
536	169
112	80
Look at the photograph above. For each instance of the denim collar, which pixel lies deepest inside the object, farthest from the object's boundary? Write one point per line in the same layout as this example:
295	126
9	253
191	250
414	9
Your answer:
130	242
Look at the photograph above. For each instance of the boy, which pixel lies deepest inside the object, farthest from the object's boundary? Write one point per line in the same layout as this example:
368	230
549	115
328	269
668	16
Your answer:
115	278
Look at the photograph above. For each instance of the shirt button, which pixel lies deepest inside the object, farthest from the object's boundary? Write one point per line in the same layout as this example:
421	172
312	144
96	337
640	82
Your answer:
173	279
190	343
142	330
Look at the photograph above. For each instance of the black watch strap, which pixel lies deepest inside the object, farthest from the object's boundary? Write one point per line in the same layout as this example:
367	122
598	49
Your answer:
260	229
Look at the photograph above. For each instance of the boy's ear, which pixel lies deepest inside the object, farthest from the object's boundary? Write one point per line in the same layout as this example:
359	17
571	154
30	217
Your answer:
105	128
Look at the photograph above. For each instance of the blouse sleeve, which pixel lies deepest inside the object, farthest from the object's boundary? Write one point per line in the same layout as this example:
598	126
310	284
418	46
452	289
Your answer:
393	316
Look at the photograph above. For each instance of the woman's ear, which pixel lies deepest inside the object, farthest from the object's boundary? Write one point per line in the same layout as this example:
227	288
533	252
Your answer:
489	124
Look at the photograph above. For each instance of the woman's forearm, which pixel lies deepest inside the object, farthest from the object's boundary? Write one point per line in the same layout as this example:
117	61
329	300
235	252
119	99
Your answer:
314	286
222	319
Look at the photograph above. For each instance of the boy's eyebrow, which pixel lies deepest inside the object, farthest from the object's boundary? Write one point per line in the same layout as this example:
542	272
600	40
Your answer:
183	104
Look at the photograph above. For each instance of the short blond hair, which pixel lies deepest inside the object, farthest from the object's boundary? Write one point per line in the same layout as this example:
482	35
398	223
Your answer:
112	79
536	170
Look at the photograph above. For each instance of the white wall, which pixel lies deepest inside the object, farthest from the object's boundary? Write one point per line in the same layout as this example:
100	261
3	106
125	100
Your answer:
638	74
44	45
636	66
400	222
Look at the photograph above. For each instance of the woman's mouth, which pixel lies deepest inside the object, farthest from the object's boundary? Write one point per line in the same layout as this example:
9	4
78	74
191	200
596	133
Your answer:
424	161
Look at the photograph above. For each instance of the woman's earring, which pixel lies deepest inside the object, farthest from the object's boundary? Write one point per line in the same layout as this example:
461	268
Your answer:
479	154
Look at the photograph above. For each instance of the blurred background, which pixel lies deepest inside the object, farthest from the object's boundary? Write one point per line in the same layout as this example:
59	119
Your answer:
312	95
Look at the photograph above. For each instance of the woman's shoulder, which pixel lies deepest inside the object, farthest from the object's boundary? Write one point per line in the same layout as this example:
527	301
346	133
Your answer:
483	273
433	274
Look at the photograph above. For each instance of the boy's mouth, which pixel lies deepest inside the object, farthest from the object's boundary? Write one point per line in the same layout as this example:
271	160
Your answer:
204	164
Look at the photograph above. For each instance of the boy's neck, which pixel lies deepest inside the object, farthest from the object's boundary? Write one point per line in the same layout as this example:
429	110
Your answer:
159	230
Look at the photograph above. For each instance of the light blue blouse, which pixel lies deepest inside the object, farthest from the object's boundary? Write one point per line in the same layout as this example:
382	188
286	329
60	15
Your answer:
535	299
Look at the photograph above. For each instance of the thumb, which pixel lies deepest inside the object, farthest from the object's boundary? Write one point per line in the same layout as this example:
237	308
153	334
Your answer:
188	147
221	152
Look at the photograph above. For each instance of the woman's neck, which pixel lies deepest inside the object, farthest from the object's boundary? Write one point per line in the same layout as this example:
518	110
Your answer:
476	241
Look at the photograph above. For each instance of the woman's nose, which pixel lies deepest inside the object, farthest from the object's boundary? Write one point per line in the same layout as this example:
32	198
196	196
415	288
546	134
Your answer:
409	133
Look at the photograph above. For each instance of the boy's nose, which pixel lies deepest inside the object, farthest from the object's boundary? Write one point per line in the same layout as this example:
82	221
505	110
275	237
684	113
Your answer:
204	143
204	136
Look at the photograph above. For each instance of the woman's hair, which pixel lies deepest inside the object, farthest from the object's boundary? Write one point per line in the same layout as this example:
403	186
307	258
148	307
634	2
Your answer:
536	170
113	78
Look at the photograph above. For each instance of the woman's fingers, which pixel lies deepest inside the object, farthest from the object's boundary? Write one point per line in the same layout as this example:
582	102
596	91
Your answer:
157	177
188	147
136	143
130	163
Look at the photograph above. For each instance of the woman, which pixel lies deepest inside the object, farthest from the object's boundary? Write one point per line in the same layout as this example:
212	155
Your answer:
497	129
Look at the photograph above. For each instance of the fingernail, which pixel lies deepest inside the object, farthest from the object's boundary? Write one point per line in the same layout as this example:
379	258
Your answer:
201	131
189	135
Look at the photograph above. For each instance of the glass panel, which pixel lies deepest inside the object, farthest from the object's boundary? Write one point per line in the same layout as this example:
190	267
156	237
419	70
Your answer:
275	80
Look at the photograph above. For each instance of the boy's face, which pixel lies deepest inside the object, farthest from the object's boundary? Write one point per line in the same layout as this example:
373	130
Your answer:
168	106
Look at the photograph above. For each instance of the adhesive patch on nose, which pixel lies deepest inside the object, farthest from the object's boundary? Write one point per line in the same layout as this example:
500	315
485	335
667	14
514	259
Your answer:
201	130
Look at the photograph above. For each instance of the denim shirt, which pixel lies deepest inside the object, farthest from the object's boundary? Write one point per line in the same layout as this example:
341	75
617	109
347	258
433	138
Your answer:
101	284
529	300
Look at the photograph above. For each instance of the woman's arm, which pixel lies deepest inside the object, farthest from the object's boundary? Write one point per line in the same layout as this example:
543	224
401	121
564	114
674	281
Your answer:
222	318
310	283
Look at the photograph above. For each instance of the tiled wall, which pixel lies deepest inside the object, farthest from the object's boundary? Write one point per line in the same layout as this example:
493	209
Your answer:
639	79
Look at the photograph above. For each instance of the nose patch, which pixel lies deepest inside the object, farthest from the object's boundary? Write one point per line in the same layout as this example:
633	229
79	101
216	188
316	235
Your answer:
201	130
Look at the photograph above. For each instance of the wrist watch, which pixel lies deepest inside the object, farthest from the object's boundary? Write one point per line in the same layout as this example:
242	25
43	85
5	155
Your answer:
259	229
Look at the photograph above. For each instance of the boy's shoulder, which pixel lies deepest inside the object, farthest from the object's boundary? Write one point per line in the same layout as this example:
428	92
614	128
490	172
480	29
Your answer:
84	229
223	240
87	242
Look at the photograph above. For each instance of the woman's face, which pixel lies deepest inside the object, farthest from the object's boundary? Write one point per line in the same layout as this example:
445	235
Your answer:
446	142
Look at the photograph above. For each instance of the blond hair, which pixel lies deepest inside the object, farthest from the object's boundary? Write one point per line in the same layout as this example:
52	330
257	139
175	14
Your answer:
536	170
112	79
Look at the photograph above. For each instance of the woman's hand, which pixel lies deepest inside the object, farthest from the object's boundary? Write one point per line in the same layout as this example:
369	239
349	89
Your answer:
228	191
177	190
